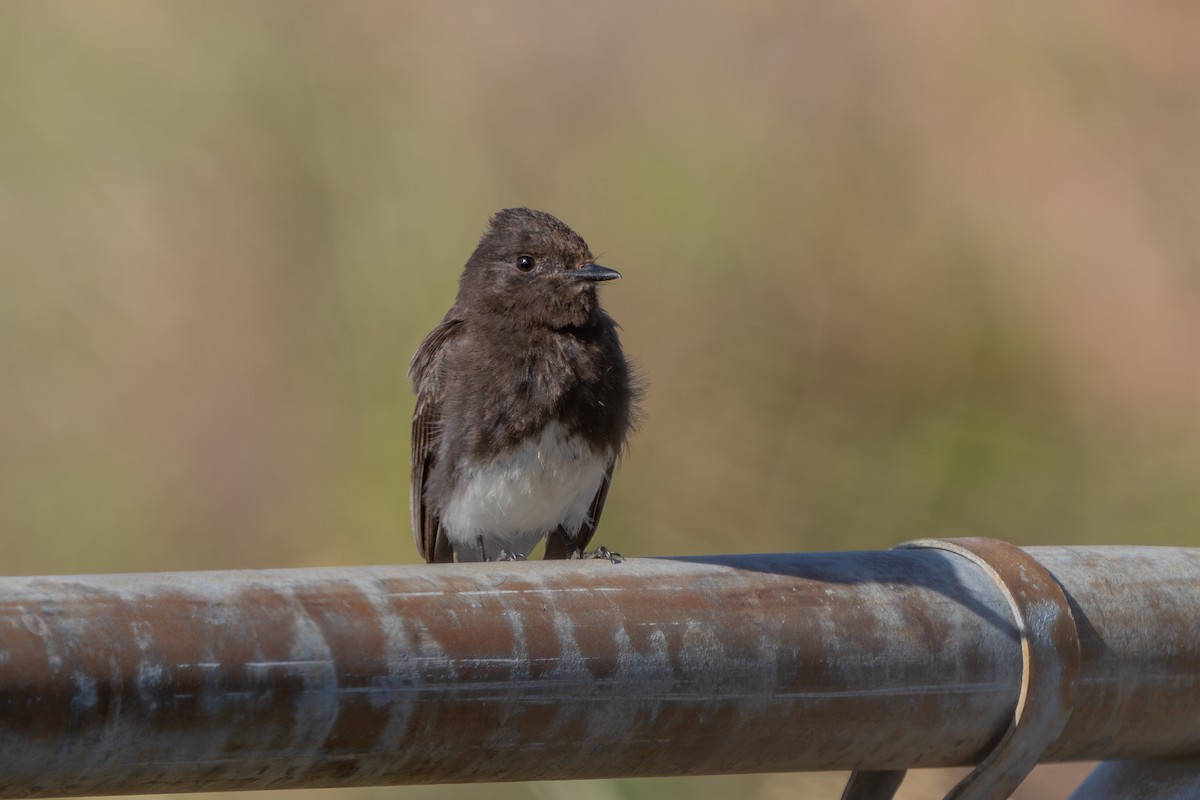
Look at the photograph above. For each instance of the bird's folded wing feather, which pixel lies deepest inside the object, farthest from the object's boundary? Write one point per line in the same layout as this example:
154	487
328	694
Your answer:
425	373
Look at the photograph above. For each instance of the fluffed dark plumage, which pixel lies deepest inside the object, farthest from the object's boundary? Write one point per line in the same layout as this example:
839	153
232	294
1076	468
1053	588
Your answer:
524	399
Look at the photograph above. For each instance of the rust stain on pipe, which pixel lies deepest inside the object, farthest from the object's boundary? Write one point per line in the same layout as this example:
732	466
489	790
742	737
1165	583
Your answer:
486	672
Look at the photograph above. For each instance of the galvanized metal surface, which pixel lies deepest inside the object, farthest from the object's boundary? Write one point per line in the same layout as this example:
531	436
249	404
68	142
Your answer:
521	671
1151	779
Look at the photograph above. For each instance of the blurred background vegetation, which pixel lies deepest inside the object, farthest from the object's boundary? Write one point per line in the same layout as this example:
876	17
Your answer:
892	271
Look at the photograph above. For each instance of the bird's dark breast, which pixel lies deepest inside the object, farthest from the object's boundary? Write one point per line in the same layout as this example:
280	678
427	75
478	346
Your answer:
576	376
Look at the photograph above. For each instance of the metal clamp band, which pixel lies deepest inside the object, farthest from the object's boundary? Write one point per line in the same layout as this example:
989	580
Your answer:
1050	672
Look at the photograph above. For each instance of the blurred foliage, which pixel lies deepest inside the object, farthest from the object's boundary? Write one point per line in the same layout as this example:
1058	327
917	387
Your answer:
891	271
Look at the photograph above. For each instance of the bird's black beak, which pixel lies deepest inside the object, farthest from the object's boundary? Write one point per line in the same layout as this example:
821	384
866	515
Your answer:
594	272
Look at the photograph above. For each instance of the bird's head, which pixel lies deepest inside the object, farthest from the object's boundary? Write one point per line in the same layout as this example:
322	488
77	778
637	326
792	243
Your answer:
530	267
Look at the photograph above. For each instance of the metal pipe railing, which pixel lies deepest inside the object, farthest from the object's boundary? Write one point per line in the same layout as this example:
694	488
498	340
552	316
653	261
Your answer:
125	684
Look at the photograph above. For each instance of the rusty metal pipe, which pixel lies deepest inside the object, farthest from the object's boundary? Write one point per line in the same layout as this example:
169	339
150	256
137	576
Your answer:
126	684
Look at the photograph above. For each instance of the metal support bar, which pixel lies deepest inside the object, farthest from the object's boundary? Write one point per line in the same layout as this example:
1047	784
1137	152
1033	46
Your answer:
1149	779
523	671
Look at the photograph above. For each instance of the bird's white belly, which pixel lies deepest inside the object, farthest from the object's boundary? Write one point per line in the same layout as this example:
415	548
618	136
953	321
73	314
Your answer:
520	496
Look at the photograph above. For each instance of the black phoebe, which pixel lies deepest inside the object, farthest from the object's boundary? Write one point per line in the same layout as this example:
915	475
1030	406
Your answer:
524	400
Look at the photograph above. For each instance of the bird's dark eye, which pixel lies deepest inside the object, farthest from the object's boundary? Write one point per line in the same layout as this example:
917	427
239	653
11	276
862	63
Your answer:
525	263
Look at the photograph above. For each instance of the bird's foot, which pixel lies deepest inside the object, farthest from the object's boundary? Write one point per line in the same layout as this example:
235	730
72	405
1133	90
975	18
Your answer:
508	555
599	552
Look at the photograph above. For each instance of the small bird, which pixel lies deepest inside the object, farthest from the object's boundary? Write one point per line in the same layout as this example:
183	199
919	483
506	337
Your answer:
524	400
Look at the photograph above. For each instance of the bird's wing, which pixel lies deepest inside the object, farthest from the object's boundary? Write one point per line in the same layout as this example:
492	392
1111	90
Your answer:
563	544
425	372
